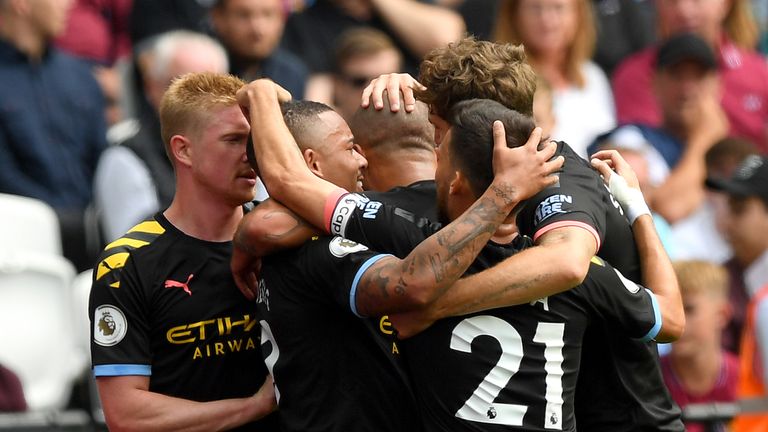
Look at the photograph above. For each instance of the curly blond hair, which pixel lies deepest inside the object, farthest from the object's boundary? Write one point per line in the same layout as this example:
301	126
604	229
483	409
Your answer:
473	69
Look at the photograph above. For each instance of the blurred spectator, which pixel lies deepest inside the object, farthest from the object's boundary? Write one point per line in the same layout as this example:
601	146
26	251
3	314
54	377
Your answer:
747	232
559	38
728	28
698	370
135	178
634	149
112	88
251	30
543	107
152	17
760	8
11	392
686	86
51	118
361	55
623	26
416	28
97	31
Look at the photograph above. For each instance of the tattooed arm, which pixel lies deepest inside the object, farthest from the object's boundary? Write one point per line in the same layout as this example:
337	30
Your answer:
532	274
268	228
392	285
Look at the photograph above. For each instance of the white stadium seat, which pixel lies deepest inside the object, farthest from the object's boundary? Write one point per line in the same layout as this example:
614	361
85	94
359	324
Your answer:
28	224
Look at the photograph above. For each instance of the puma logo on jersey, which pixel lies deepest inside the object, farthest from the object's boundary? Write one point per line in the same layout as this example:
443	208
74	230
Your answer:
183	285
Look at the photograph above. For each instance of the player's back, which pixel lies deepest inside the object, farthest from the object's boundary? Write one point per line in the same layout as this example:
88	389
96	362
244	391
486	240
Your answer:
620	385
516	368
333	370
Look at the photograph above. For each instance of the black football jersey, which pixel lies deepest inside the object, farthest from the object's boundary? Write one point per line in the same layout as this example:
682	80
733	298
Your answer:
511	368
418	198
165	305
615	388
333	370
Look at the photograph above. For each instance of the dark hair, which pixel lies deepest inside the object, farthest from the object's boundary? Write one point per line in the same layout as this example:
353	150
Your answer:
471	147
299	116
473	69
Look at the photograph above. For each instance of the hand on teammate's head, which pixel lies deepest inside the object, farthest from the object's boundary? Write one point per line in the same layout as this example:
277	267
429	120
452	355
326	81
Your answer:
393	83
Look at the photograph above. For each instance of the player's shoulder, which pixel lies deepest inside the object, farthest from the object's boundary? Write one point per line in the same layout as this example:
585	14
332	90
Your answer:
602	275
137	241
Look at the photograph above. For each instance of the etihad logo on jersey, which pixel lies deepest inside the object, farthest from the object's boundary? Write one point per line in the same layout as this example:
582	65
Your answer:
236	331
551	206
202	330
385	326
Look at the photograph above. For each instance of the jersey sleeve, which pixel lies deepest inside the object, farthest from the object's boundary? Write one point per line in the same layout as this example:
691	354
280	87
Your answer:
620	302
378	225
119	328
337	265
574	202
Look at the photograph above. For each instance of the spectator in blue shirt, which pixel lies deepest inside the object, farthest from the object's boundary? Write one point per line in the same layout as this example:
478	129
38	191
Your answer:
51	117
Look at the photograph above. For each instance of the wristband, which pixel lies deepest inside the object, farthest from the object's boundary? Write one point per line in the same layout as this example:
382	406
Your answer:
631	199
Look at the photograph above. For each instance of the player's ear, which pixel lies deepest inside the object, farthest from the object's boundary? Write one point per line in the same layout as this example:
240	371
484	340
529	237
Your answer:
312	161
181	150
458	183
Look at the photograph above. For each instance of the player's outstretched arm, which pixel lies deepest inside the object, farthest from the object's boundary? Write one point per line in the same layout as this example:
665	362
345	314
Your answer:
529	275
130	406
281	166
268	228
392	285
658	273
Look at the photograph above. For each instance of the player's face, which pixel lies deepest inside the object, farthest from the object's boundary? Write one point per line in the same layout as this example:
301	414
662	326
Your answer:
218	160
441	127
705	317
444	175
339	161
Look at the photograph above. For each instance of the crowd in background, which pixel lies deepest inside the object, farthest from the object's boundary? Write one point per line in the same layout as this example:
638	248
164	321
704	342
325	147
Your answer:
82	81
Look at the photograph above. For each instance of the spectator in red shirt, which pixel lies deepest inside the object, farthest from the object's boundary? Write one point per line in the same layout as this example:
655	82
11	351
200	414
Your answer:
698	369
732	34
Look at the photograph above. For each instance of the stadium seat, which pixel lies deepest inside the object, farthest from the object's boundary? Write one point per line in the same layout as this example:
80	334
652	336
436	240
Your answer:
28	224
81	290
38	338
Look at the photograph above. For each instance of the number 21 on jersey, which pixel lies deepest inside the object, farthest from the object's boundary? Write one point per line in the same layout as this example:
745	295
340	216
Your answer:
480	407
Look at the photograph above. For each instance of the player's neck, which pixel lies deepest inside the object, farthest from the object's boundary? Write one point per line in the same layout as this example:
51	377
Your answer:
699	371
205	219
400	172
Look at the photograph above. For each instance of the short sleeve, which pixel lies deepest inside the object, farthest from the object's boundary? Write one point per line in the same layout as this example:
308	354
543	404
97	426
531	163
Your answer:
119	328
338	264
621	303
378	225
575	201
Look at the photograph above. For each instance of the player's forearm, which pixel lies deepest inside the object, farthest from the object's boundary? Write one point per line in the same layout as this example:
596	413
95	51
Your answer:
395	285
141	410
532	274
271	227
421	27
659	277
281	164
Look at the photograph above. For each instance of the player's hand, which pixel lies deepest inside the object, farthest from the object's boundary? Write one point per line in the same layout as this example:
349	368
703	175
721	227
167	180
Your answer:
245	270
524	170
263	402
260	87
622	182
393	83
409	324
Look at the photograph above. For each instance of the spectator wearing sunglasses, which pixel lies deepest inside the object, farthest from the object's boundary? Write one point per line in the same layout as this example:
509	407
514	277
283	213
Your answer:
361	54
